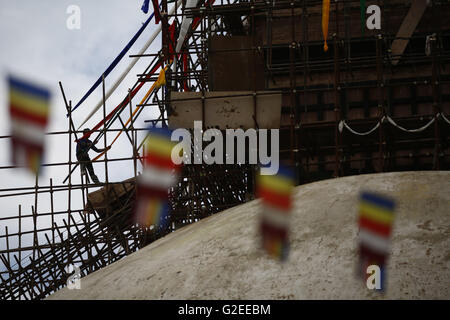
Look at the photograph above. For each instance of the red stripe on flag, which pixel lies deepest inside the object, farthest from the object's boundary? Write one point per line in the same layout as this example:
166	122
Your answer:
371	256
27	116
160	161
270	230
25	143
275	199
379	228
28	149
145	191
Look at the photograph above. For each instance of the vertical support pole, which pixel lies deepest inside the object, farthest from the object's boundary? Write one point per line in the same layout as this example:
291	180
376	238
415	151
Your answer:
254	55
35	240
337	91
381	109
71	130
69	200
436	106
7	245
203	109
165	30
292	81
20	233
104	135
19	261
269	20
347	16
106	192
133	140
52	209
254	84
305	76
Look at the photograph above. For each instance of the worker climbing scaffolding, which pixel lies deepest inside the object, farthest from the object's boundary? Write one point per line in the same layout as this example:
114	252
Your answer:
83	147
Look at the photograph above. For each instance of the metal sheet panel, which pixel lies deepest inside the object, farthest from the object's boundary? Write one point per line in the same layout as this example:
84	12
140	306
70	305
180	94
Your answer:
226	110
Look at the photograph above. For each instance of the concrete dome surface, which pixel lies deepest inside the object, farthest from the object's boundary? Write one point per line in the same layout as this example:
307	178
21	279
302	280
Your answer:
219	257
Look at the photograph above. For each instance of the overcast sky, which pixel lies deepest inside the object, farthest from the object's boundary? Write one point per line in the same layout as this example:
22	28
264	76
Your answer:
37	45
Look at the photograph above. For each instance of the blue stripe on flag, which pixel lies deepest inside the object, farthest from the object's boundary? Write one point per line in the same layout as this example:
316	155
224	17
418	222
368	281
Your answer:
163	132
29	88
379	200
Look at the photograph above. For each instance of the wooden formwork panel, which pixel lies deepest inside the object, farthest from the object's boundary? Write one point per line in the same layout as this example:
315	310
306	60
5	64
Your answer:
391	21
225	109
110	195
234	65
403	158
355	75
402	110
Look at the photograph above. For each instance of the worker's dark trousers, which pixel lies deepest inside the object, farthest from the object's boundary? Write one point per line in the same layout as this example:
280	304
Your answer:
85	163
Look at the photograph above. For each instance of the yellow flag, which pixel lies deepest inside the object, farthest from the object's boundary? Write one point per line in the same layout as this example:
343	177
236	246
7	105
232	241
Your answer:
325	21
161	81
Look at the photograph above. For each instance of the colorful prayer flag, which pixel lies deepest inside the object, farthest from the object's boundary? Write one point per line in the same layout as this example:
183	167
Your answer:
29	107
159	174
275	192
376	216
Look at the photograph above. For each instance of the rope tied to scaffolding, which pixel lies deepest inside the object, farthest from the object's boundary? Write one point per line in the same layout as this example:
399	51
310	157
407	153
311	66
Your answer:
343	124
391	121
444	117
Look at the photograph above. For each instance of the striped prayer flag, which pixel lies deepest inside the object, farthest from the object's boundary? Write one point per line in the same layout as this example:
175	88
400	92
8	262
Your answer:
159	174
275	192
376	216
29	107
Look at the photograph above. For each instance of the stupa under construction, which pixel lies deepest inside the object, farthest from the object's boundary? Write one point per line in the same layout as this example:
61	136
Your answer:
354	89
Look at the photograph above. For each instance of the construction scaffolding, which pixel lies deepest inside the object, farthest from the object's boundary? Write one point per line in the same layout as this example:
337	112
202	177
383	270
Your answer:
375	101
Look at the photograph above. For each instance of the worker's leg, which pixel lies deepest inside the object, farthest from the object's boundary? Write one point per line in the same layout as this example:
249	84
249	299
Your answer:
91	172
83	172
82	163
85	163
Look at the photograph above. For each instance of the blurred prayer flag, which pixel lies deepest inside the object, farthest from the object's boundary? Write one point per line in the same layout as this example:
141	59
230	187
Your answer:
159	174
29	107
376	215
275	192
